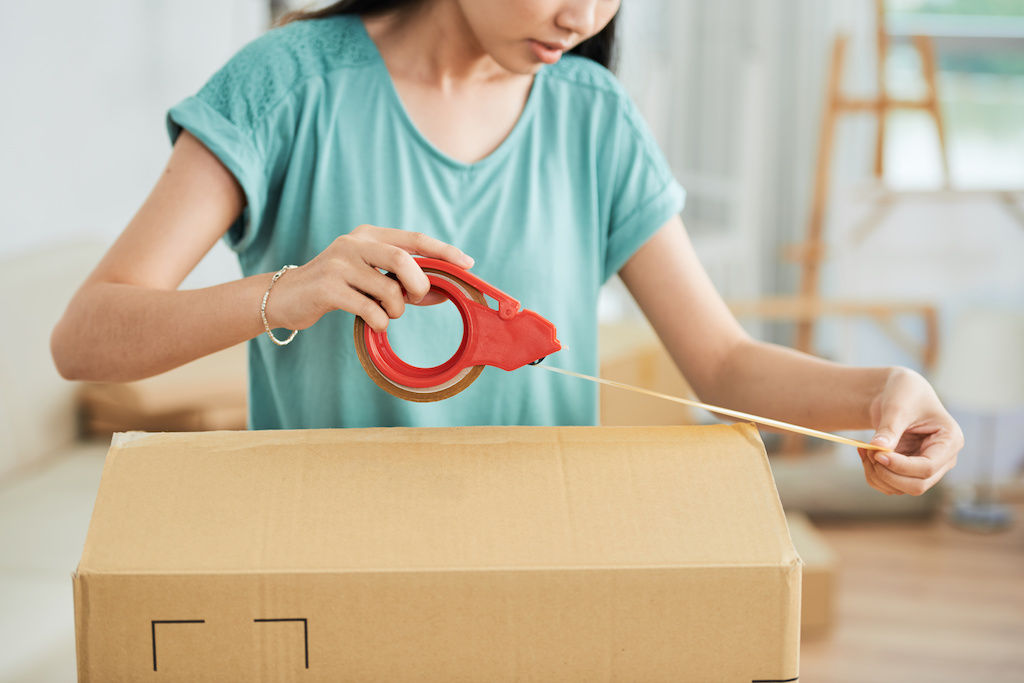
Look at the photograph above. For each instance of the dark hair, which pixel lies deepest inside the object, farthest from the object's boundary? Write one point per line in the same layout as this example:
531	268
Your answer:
599	47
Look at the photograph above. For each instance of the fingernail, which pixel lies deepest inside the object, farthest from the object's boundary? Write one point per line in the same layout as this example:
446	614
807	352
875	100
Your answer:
882	458
882	439
468	259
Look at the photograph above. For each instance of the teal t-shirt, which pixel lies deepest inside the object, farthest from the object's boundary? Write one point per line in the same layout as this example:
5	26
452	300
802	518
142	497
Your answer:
307	119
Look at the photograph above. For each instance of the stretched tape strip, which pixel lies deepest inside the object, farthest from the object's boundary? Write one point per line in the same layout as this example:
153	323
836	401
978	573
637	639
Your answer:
767	421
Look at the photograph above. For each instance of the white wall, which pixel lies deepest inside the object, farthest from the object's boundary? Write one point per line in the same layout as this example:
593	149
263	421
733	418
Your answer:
85	88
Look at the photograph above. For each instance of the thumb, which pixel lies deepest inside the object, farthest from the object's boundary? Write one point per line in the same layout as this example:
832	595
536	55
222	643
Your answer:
889	430
885	437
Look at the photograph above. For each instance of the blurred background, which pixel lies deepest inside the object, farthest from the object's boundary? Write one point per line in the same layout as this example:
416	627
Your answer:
855	179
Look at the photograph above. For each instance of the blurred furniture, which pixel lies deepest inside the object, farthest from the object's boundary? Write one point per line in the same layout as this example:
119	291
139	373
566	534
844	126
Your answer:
811	253
922	601
48	476
38	409
883	200
883	314
819	582
808	306
982	372
631	353
831	486
208	393
43	416
882	104
49	472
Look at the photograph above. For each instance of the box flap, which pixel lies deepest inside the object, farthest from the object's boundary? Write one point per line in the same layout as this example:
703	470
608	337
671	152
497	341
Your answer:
429	499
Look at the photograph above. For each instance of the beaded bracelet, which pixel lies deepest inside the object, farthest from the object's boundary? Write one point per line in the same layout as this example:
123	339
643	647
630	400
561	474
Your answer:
263	309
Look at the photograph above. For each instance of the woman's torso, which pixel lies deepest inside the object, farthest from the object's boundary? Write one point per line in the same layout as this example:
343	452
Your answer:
538	214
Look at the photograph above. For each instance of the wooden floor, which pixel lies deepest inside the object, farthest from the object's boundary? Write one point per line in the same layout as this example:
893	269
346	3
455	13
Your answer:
923	602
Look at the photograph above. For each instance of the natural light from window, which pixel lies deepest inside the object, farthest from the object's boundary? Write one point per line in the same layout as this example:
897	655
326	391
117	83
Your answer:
980	50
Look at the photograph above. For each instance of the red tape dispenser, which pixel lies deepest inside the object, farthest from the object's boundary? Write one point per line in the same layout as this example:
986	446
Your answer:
506	338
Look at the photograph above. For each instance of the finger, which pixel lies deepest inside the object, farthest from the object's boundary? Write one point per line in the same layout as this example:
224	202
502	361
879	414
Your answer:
396	260
890	428
366	308
933	454
376	285
911	485
872	478
918	466
933	480
943	452
432	298
424	245
917	487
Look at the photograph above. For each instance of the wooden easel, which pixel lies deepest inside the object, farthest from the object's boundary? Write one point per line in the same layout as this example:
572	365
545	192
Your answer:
811	253
808	307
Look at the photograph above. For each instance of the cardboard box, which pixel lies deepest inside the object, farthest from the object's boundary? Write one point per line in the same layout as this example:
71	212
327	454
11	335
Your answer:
818	605
631	353
469	554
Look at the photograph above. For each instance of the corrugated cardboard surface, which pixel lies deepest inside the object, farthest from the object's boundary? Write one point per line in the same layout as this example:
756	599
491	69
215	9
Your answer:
474	554
820	581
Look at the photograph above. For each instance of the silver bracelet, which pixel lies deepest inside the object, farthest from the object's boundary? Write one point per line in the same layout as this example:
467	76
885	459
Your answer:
263	309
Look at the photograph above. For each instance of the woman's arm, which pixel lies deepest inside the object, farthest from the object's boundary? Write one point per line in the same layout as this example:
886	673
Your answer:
728	368
129	321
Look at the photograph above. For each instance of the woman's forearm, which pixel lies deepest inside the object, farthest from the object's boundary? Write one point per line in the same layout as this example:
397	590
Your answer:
117	332
778	382
723	364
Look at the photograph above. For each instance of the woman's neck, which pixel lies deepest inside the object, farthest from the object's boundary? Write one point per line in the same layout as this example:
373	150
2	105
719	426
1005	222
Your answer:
433	44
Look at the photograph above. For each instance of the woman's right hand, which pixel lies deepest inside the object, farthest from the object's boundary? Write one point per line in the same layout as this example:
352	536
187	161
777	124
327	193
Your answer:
345	276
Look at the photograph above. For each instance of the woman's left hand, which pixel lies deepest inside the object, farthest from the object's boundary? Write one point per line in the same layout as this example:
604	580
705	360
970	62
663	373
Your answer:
921	438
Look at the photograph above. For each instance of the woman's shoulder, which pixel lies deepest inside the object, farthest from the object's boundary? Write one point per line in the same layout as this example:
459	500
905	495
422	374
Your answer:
278	62
581	85
578	72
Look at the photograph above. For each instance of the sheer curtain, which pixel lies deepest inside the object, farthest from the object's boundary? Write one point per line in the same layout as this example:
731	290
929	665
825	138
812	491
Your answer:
733	91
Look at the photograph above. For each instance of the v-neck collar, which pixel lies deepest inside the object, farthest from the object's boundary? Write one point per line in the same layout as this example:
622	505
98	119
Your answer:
525	116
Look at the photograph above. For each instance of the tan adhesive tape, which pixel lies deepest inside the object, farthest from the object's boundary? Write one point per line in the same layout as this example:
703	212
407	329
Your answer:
767	421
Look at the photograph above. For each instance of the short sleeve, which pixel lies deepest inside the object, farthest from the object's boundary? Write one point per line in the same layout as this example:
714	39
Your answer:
223	115
645	194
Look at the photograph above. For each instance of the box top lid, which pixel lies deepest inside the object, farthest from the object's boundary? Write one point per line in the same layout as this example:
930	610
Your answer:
433	499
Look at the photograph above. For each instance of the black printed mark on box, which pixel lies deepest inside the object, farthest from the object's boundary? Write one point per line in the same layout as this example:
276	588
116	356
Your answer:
775	680
305	632
154	622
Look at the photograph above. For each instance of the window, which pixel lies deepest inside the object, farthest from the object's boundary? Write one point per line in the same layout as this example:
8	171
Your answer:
979	46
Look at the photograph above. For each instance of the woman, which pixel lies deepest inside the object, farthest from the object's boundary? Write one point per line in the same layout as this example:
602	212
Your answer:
467	128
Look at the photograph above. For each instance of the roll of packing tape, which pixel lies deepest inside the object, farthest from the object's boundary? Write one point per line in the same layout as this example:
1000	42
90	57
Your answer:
505	337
